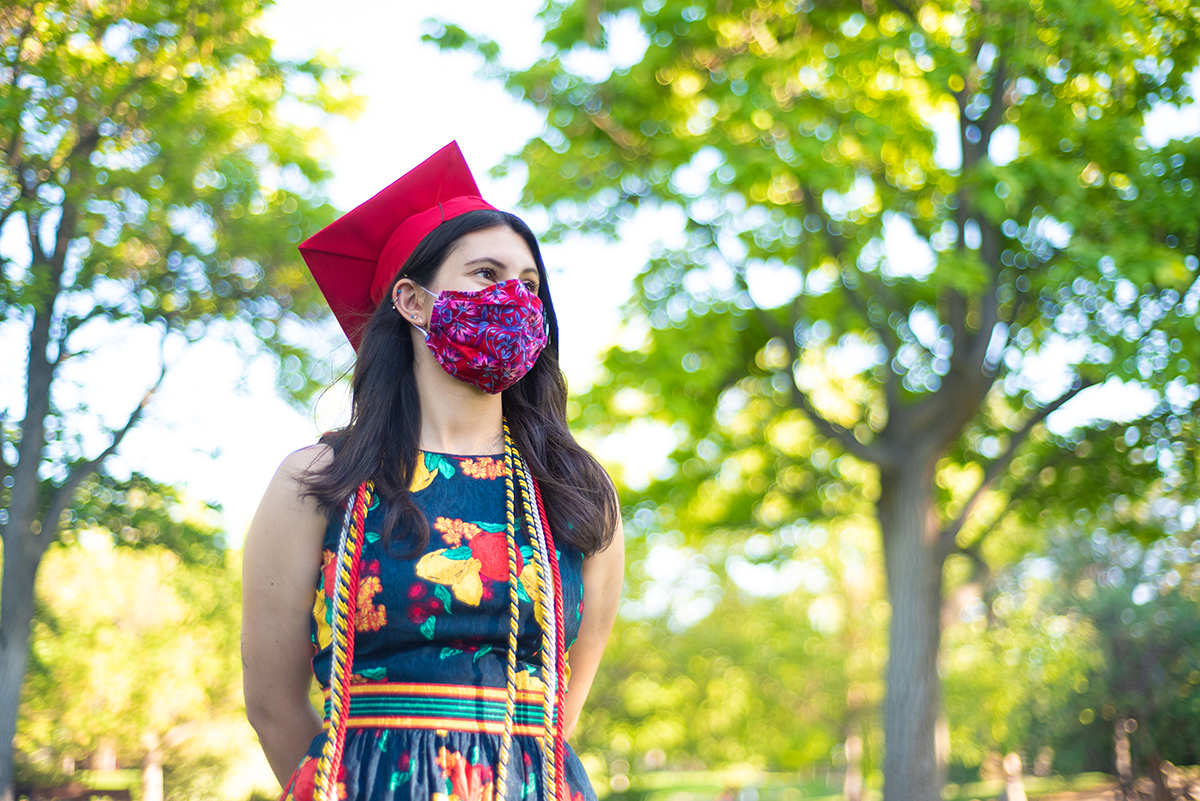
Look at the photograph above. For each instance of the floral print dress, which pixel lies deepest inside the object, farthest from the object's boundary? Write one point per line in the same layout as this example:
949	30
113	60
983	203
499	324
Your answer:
427	691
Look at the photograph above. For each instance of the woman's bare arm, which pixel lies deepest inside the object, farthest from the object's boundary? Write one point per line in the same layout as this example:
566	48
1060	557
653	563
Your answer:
603	574
281	562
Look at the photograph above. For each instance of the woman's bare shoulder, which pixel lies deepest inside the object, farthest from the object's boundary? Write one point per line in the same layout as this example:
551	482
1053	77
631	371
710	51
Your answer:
302	463
288	503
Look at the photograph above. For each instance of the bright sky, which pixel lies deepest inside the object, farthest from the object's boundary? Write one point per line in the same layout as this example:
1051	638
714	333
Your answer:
218	426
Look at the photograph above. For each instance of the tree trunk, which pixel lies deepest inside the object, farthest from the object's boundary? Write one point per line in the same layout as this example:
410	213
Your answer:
152	772
25	537
1014	777
23	550
1122	755
914	584
1160	774
852	788
105	756
941	744
16	617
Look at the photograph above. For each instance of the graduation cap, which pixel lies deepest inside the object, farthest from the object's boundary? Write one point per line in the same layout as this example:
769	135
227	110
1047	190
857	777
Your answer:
355	259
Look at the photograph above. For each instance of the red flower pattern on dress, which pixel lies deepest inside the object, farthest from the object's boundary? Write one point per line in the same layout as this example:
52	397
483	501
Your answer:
302	786
467	782
491	549
328	569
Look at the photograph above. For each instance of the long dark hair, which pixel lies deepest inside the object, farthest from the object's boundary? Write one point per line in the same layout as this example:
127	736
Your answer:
382	440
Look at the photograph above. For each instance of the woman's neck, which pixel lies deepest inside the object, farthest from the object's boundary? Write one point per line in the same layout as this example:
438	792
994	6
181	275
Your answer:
456	417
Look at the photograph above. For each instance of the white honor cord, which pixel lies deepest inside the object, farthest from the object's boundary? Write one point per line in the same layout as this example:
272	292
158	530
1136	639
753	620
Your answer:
545	581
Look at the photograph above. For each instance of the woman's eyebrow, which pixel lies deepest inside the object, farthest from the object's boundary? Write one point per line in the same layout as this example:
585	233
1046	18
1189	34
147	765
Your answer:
486	260
496	262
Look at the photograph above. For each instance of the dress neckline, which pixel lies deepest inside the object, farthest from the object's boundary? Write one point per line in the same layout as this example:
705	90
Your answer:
462	455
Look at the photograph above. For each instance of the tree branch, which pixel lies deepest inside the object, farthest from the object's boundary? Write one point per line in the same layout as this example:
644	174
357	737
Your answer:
620	137
1017	495
995	112
886	336
800	398
948	535
837	433
891	382
69	326
904	8
37	253
64	234
62	498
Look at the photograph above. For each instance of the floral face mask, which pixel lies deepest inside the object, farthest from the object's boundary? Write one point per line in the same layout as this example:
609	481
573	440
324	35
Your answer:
488	338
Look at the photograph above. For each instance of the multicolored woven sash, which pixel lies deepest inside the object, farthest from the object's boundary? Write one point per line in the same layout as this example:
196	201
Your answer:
507	711
452	707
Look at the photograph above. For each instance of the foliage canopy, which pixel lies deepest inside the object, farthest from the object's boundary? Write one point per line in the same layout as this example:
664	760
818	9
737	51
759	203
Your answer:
912	231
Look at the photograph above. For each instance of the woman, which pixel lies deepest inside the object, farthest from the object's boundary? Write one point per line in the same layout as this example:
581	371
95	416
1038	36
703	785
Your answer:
447	594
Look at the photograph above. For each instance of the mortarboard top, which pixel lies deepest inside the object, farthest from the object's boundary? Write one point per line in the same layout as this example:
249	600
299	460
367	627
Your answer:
355	258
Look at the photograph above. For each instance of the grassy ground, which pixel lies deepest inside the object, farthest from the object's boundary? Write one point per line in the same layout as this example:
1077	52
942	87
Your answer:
822	785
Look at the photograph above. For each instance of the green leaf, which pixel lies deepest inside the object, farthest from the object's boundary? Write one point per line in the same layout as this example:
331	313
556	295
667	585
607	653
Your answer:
435	461
428	626
460	553
492	527
961	270
446	653
443	593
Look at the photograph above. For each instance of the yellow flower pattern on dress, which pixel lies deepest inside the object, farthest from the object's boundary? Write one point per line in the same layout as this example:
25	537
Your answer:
460	575
422	475
324	630
370	617
455	531
484	467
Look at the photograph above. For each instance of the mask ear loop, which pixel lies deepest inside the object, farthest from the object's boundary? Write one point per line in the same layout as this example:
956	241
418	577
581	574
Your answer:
414	323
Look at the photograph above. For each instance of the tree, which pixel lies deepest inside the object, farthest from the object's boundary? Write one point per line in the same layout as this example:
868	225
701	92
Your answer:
135	649
780	682
845	297
159	187
1138	705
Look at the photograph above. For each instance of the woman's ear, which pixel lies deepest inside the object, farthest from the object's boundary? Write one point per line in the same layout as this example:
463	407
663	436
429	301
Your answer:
412	301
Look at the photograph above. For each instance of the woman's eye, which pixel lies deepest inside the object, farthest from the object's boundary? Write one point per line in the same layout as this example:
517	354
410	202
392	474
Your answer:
532	287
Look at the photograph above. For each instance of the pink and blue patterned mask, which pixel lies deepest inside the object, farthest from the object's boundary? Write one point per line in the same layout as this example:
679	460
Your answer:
488	338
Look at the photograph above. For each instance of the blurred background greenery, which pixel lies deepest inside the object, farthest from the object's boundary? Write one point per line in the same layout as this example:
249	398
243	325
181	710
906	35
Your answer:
920	349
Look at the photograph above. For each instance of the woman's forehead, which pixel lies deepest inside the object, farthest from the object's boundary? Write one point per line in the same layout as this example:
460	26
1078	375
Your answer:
501	247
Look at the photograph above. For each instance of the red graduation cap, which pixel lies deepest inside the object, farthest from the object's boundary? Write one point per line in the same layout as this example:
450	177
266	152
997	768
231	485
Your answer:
355	258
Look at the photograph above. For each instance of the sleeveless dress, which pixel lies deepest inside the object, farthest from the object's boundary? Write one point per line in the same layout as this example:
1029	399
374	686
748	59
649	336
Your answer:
427	692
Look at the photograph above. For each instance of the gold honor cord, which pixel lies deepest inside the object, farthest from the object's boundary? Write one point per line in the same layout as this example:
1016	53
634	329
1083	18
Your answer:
510	701
345	598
